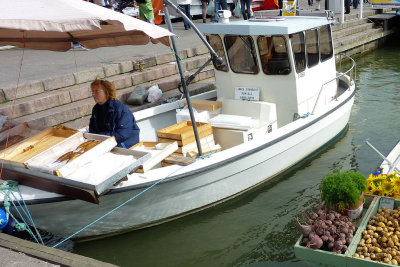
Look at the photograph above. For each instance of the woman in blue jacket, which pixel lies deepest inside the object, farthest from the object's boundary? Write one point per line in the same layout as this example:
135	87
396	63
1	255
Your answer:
111	117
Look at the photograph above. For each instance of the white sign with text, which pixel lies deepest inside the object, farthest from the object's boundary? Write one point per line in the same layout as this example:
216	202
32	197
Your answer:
247	93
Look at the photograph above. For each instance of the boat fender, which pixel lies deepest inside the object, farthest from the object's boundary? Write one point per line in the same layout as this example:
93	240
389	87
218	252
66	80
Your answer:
3	219
11	228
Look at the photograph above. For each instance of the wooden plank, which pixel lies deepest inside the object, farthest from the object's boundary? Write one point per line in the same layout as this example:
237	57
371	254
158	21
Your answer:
212	149
202	104
190	139
184	130
158	151
205	142
177	159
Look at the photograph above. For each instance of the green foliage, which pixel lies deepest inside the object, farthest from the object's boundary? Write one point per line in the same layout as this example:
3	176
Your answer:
343	188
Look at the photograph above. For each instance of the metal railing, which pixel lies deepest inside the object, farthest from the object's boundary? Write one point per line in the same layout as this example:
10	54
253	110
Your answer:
336	78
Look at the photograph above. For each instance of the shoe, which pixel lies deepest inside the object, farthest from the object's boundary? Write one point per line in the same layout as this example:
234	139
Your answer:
346	12
204	21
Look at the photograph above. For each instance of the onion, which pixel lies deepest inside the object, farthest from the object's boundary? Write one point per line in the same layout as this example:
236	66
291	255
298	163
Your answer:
315	242
304	229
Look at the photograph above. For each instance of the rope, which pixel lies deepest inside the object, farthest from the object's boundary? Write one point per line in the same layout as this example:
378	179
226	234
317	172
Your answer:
176	54
7	188
116	208
15	97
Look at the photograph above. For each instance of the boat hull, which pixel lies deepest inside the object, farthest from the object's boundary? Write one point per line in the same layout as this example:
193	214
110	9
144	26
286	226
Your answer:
178	194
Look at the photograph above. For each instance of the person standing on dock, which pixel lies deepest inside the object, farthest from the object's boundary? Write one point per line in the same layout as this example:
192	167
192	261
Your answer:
246	8
218	5
184	5
347	6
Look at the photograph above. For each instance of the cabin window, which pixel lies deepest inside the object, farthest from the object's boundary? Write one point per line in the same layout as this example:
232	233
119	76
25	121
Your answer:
216	43
325	42
241	54
312	47
299	51
273	55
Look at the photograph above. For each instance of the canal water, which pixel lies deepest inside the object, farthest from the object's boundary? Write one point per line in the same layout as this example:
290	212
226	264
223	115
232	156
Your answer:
259	228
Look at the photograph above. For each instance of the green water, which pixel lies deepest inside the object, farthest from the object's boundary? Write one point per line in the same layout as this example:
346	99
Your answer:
259	228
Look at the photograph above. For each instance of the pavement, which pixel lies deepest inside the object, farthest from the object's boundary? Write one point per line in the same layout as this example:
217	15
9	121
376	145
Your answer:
31	65
10	258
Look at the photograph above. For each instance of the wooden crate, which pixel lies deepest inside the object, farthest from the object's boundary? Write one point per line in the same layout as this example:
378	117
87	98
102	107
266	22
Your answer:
37	144
183	132
333	259
158	151
358	262
47	160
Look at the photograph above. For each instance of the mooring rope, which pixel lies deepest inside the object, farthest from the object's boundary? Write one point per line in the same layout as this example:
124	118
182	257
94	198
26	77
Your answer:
7	187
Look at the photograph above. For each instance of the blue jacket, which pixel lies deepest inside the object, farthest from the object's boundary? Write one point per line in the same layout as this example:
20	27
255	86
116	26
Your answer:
113	118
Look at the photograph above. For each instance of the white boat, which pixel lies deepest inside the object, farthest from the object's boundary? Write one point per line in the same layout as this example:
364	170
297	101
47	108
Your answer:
279	74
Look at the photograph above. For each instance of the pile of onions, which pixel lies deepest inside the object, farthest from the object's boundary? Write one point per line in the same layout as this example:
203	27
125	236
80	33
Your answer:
380	240
327	230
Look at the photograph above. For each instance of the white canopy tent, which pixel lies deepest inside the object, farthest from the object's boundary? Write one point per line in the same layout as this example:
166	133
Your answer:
54	24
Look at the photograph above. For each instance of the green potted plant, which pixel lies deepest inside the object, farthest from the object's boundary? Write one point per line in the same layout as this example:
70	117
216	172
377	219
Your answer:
344	191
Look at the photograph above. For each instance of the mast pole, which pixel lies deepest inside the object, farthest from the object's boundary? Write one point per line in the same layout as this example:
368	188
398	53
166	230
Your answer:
183	79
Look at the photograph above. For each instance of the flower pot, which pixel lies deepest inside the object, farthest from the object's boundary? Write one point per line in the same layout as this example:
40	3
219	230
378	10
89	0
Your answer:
355	211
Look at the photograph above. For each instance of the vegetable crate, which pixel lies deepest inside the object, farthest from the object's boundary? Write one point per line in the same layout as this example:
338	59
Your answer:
327	258
358	262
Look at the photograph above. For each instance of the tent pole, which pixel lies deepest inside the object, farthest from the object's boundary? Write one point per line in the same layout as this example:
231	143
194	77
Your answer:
183	79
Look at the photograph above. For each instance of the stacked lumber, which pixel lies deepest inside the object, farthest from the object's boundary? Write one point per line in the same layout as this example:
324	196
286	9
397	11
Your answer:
183	134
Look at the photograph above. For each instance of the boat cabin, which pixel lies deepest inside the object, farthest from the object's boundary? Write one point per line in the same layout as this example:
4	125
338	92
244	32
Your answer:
282	61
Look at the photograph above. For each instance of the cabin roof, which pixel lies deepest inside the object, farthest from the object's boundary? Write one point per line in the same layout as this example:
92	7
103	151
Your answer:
286	25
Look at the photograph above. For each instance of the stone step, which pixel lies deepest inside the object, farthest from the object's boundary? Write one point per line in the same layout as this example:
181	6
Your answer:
349	24
11	93
358	39
76	110
352	30
49	99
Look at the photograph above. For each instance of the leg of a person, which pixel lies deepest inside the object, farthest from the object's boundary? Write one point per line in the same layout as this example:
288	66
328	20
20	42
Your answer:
243	8
204	10
248	6
184	10
224	4
355	4
216	8
347	6
188	14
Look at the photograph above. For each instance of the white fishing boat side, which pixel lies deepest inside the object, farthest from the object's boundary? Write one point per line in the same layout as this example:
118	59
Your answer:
301	104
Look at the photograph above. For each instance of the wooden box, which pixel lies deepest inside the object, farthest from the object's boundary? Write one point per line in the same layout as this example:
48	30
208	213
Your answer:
202	104
37	144
158	151
183	132
47	160
328	258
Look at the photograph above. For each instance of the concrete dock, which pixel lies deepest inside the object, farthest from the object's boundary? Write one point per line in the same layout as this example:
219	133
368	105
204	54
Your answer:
16	252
